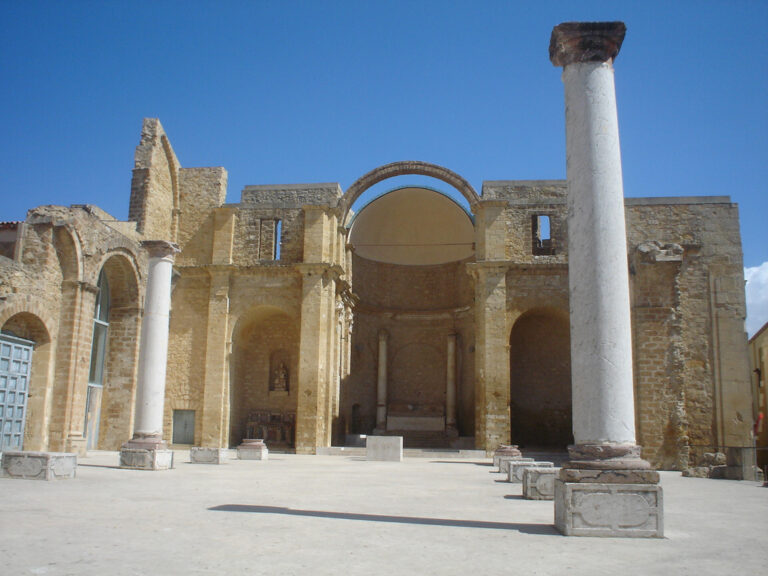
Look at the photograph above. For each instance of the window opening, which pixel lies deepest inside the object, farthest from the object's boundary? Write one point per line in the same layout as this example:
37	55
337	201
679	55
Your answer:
542	236
278	238
98	357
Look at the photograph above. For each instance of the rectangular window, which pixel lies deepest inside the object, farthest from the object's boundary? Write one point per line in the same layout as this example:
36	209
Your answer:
278	238
541	235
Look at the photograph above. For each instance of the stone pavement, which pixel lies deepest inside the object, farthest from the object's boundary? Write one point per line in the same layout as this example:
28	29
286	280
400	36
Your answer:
344	515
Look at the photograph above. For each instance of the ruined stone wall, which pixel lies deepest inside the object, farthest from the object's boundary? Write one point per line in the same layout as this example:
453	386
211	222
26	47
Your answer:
524	200
154	186
201	190
689	341
53	283
186	348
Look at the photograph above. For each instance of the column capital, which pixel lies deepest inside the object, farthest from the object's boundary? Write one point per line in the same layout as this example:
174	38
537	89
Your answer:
575	42
160	248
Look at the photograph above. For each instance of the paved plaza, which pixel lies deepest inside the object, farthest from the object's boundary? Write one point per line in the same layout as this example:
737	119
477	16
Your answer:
314	515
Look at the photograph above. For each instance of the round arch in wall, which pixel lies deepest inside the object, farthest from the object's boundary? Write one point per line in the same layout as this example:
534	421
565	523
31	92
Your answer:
403	168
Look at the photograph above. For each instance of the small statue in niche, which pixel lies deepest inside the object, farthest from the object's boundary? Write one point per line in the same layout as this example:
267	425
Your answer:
280	378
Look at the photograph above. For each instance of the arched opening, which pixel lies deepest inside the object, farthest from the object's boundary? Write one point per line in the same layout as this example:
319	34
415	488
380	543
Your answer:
409	250
25	383
114	356
540	380
265	369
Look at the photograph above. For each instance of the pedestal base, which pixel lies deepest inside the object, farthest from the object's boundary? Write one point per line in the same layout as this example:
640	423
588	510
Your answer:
38	465
203	455
539	483
609	510
515	469
506	461
387	448
141	456
252	449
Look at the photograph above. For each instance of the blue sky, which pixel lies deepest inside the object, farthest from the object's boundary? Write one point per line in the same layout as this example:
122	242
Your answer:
285	92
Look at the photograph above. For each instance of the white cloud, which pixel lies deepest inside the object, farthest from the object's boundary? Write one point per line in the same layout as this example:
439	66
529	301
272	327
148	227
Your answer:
757	297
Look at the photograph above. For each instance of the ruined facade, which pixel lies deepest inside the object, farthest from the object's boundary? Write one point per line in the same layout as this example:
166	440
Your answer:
296	320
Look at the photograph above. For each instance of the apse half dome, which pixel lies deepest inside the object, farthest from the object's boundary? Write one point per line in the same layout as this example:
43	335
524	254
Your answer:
413	226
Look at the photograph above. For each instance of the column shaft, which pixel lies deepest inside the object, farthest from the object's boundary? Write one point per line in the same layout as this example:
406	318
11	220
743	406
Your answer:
381	384
450	383
601	345
153	351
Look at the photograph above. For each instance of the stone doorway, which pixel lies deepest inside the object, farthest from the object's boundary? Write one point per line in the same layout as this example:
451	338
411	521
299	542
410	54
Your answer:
540	380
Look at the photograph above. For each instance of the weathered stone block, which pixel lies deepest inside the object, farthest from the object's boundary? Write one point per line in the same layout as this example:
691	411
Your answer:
609	510
203	455
146	458
385	448
39	465
515	469
505	461
253	449
538	483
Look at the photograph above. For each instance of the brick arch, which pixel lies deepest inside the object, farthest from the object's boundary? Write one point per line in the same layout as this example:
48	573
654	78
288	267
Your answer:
264	338
122	350
33	307
123	274
68	246
403	168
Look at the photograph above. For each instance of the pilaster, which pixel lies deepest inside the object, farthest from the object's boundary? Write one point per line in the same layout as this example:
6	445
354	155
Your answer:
215	397
492	425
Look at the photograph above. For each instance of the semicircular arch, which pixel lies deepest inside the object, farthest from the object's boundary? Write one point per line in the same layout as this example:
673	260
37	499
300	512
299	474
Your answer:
403	168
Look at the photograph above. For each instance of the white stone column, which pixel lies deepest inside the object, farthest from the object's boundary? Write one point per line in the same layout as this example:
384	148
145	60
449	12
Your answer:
381	385
450	384
146	449
605	454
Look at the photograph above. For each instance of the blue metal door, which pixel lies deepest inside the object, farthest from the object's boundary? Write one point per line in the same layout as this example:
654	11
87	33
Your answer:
15	366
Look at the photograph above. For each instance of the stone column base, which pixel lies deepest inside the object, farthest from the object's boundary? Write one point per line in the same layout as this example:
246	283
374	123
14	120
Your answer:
252	449
143	455
515	470
539	483
38	465
204	455
609	510
608	490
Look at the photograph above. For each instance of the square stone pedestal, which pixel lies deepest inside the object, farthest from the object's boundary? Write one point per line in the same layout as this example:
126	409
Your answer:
506	461
384	448
608	509
204	455
146	458
516	469
39	465
538	483
252	449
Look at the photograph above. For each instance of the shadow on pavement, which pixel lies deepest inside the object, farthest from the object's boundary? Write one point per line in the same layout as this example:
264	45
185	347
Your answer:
543	529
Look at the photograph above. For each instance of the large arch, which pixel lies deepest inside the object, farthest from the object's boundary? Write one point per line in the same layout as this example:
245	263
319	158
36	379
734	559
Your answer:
404	168
264	377
540	379
121	358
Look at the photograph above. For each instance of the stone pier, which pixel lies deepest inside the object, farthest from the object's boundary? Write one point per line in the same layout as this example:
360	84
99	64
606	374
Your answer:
147	450
606	489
